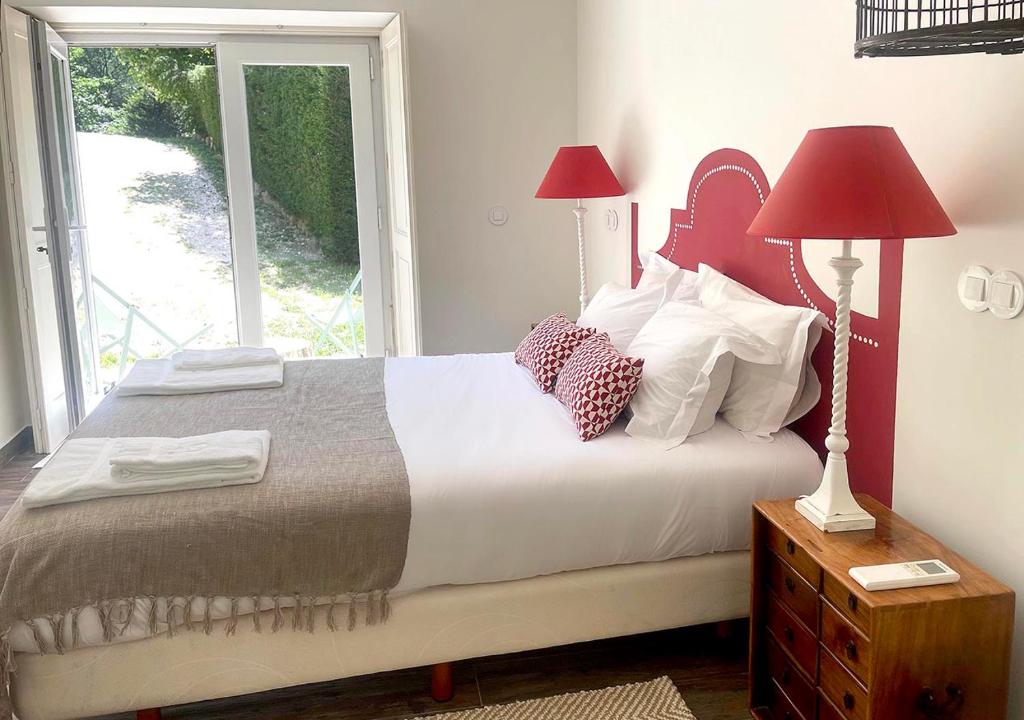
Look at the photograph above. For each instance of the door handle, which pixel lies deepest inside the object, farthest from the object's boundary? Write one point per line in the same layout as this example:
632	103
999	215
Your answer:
42	249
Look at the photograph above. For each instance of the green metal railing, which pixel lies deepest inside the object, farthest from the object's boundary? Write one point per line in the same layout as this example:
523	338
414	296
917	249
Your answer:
135	315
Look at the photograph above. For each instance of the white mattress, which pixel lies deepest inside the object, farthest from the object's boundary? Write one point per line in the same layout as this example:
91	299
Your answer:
502	488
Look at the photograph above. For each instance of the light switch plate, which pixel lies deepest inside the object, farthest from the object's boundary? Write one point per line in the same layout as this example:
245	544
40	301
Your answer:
611	219
1000	294
498	215
973	287
1006	294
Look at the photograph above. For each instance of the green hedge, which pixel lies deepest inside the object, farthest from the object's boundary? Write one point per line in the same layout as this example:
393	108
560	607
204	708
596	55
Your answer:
300	138
204	102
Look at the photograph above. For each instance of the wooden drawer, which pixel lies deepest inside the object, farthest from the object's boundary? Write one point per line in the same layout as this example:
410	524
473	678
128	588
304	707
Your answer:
791	634
826	710
842	689
795	555
846	642
781	707
848	604
794	591
786	675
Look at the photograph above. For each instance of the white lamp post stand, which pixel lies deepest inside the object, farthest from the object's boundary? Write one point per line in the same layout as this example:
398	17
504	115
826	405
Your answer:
832	507
581	212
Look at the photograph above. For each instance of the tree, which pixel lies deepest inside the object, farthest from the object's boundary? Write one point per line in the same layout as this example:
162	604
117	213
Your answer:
164	72
100	89
136	91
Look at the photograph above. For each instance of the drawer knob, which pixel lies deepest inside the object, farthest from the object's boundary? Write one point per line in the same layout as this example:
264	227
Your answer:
787	632
930	706
790	585
848	700
790	547
851	650
787	715
785	676
851	602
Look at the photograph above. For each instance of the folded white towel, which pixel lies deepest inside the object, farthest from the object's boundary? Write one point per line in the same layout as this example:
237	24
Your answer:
224	358
159	377
223	456
81	470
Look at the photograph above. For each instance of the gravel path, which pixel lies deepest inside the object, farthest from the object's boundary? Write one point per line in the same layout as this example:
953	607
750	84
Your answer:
158	237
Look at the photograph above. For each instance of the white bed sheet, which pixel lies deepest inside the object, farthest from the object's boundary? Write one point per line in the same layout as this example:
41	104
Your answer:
502	488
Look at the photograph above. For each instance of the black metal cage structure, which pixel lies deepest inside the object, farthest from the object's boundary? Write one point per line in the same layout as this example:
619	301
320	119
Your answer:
900	28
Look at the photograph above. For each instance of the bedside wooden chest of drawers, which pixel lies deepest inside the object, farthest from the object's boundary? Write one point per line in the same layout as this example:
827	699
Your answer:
821	646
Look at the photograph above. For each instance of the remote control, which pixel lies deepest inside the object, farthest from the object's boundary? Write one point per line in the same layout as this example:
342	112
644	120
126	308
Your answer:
904	575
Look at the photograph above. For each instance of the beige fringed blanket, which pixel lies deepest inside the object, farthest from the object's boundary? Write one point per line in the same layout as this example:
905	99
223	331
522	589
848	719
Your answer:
330	520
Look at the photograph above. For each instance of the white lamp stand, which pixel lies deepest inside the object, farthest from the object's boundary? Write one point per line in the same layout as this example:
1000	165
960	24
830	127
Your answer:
832	507
580	212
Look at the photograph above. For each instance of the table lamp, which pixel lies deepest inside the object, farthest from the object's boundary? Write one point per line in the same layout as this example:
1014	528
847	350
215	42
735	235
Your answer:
577	172
847	183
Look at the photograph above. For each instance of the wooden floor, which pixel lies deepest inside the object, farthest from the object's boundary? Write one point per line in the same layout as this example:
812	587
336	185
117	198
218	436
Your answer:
710	672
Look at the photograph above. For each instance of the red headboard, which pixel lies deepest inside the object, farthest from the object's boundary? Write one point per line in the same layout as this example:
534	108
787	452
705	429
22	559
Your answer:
726	191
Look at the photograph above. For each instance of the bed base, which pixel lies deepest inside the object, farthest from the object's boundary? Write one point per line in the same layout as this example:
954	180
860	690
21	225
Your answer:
442	689
434	626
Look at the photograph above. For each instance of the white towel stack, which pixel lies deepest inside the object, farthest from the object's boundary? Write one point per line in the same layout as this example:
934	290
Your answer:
224	358
90	468
202	371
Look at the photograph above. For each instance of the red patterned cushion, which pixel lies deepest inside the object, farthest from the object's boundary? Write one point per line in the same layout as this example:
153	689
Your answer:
596	384
548	346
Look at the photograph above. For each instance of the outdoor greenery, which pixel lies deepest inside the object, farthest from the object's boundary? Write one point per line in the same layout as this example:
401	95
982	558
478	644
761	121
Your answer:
299	125
205	103
109	99
302	152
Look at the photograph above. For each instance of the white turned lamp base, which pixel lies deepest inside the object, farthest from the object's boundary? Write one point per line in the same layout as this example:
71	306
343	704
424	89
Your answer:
581	212
832	507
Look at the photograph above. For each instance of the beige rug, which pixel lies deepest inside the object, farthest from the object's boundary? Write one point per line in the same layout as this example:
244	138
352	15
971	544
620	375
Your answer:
654	700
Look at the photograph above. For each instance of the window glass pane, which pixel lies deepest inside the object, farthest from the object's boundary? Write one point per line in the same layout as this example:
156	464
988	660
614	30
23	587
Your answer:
67	173
307	239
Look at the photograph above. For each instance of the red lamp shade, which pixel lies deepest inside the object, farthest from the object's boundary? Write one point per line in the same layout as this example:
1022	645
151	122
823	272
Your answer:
579	171
850	183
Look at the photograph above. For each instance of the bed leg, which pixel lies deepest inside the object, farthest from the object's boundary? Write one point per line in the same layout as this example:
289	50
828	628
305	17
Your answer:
440	682
725	629
150	714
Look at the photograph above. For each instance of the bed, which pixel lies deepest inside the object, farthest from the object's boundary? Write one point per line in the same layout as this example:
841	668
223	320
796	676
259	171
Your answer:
518	536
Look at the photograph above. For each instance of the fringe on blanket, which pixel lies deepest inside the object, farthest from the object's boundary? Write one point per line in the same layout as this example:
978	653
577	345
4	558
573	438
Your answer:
116	616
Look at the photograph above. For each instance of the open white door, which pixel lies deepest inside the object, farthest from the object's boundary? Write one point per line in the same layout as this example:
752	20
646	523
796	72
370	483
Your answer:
66	233
405	307
27	228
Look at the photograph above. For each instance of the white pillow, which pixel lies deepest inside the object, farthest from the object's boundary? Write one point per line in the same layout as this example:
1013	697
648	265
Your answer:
762	399
621	312
688	289
688	358
679	283
809	391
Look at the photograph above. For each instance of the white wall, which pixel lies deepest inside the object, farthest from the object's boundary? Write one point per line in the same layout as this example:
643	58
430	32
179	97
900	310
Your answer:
493	96
663	82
